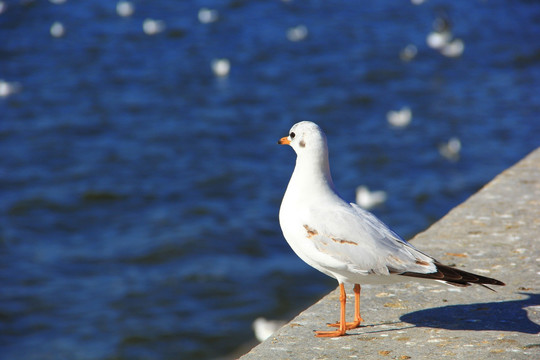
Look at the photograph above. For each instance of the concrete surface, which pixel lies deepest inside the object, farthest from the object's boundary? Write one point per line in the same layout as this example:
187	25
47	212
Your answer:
494	233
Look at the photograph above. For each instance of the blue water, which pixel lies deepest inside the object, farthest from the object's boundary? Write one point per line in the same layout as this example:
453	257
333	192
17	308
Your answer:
140	192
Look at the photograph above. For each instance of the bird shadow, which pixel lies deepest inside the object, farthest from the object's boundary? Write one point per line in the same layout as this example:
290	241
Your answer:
501	316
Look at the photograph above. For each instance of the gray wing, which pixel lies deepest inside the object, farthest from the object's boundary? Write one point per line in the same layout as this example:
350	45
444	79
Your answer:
358	240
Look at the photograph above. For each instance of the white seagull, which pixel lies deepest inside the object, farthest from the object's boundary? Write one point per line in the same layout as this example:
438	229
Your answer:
369	199
399	118
264	328
341	239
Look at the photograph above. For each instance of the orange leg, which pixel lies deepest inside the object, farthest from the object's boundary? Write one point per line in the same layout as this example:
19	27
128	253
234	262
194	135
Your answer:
357	318
342	327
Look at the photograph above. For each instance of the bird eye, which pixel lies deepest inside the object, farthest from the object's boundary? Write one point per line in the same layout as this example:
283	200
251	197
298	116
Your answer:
292	135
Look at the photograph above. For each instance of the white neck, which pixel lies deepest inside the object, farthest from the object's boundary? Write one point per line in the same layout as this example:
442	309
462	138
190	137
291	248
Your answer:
311	174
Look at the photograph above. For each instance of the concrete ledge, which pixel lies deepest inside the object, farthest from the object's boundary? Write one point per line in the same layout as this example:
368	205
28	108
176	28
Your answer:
495	233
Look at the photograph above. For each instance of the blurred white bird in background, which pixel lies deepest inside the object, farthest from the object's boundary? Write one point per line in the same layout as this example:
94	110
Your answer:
8	88
437	40
451	149
221	67
408	53
208	16
369	199
264	328
153	27
442	39
297	33
453	49
125	8
399	118
57	29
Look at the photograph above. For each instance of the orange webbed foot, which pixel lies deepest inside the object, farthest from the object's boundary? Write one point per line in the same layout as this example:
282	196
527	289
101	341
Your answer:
335	333
348	325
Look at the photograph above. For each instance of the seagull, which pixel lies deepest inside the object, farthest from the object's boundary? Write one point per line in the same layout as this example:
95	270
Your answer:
264	328
408	53
438	39
221	67
297	33
399	118
341	239
369	199
57	29
207	16
453	48
125	8
441	34
8	88
451	149
153	27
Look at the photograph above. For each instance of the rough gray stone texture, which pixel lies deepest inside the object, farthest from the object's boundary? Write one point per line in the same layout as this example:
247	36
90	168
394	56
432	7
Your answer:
494	233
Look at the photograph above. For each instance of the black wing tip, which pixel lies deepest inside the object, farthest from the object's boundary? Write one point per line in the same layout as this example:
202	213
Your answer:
456	277
469	277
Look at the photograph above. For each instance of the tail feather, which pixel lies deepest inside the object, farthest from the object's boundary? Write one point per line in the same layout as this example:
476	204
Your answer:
456	277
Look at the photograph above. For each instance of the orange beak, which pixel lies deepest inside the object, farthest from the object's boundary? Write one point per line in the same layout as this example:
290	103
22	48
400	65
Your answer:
284	141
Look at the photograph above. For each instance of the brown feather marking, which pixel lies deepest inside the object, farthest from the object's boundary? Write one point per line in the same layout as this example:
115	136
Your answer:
341	241
395	259
311	232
